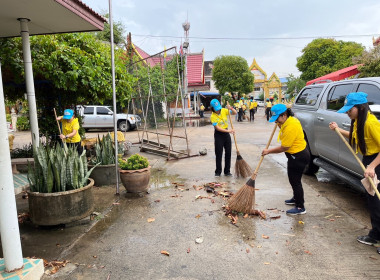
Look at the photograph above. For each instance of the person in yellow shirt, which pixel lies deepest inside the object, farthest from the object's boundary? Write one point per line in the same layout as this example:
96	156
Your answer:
70	128
222	138
268	107
255	105
293	144
364	136
252	111
201	110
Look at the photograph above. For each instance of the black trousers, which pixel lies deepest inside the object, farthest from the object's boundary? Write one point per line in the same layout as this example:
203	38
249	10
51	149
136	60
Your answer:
373	202
296	165
78	146
201	114
251	114
222	140
268	113
240	115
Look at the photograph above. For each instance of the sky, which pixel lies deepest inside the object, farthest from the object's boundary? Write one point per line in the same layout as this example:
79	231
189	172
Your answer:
273	32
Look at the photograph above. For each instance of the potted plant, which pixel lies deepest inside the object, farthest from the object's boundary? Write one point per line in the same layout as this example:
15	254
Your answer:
104	160
135	173
60	187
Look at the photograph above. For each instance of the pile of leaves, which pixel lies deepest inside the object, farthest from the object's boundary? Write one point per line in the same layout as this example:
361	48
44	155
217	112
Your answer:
54	265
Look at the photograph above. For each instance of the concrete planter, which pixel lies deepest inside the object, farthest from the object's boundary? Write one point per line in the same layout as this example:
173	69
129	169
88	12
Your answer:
47	209
103	174
135	181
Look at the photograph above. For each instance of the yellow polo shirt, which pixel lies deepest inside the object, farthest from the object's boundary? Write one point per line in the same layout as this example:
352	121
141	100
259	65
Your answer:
269	104
291	136
68	127
255	104
220	120
371	135
251	106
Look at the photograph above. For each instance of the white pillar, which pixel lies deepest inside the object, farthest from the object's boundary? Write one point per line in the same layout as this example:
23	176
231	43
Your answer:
29	80
10	235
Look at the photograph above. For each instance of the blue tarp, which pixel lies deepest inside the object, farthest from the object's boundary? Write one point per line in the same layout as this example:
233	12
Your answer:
206	93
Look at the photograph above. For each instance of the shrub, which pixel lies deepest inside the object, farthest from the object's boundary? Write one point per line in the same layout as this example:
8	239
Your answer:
134	162
23	123
104	151
25	152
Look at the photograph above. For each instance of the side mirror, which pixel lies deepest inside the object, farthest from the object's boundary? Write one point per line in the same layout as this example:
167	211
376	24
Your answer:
110	113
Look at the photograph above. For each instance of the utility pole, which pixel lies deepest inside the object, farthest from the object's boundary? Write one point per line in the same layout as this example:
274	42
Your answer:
185	47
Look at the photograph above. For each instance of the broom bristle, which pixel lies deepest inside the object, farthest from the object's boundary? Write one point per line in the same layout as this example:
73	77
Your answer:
242	168
243	200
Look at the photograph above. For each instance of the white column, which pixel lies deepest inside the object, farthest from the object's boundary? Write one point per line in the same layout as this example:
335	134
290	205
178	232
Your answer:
29	80
10	235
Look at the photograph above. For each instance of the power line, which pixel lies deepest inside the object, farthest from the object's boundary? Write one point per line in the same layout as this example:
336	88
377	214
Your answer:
261	38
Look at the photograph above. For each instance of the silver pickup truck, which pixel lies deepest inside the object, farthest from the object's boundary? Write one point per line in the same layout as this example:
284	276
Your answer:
316	106
97	116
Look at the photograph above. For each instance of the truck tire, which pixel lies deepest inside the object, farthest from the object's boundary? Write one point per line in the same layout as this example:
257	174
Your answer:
311	168
124	126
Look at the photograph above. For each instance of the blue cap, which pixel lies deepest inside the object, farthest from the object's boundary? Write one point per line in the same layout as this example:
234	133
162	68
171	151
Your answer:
277	110
352	99
216	104
267	99
68	114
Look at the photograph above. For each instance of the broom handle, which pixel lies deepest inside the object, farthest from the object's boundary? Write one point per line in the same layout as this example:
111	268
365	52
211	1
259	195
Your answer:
229	115
253	177
59	128
358	160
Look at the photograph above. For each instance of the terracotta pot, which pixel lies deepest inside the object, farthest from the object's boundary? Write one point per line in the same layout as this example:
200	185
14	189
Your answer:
135	181
47	209
103	174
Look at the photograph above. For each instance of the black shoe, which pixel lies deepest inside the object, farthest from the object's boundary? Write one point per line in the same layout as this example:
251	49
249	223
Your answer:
228	174
217	174
367	240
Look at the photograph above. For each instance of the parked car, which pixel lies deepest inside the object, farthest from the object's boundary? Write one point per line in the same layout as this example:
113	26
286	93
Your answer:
96	116
260	103
316	106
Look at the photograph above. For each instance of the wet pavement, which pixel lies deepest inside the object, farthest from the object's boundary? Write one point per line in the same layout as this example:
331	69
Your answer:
126	239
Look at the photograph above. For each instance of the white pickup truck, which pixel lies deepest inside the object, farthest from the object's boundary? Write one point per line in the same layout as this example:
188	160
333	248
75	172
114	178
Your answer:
316	106
97	116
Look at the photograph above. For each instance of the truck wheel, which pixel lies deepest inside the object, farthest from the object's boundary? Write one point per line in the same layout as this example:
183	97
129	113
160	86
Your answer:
124	126
311	168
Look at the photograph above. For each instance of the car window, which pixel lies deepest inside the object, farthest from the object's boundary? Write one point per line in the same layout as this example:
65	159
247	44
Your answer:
372	91
309	96
88	110
102	111
337	95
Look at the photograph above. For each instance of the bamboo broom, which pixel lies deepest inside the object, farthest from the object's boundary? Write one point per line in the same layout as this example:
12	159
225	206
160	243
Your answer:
244	199
242	168
358	160
60	132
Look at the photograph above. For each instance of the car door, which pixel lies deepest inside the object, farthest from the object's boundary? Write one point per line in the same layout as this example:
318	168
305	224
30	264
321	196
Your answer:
328	142
89	117
345	156
104	117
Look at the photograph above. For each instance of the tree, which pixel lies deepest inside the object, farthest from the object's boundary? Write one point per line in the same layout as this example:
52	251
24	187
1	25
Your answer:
323	56
370	61
294	84
231	74
118	33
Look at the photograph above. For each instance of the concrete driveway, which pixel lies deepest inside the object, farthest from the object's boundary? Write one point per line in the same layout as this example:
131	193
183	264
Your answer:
178	216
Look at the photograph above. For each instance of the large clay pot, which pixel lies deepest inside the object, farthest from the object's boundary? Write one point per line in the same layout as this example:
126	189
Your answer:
135	181
47	209
103	174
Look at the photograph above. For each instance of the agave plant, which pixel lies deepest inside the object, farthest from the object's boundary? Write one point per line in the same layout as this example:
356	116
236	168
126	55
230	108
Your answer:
104	150
57	169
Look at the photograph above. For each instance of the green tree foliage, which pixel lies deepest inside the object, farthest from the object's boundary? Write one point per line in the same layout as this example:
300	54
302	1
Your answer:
118	33
294	84
323	56
231	74
370	61
68	69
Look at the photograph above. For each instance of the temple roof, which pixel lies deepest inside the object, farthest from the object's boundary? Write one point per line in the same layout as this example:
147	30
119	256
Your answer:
255	66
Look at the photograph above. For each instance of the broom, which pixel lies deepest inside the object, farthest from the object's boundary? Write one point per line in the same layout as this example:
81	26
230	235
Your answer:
242	168
60	132
244	199
358	160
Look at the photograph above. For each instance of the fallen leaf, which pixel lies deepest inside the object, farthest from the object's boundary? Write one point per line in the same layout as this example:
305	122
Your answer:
165	253
373	258
58	245
245	216
94	257
328	216
332	220
247	250
116	203
259	246
198	216
265	236
266	263
275	217
157	200
301	222
151	220
308	252
188	250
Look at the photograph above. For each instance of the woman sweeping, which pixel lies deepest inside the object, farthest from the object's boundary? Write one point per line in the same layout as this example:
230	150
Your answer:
364	135
293	144
222	139
70	128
